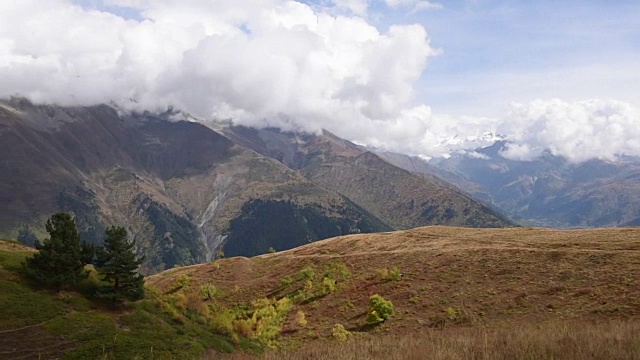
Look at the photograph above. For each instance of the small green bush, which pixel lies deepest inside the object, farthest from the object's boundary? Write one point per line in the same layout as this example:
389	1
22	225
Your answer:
182	282
459	316
340	333
379	309
328	285
307	273
301	318
266	321
286	281
208	291
389	274
337	270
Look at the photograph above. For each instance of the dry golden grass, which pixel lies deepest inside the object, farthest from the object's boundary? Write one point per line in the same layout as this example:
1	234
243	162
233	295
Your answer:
489	279
8	245
577	340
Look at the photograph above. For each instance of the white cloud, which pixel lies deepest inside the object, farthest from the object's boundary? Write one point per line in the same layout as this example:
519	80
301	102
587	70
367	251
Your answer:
274	61
577	131
358	7
414	5
278	63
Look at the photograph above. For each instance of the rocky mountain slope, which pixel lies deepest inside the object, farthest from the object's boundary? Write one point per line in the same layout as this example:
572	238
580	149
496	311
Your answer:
185	191
182	190
396	196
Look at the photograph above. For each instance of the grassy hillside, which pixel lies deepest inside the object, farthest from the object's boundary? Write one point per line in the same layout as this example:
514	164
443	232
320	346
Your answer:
546	286
39	324
458	293
567	341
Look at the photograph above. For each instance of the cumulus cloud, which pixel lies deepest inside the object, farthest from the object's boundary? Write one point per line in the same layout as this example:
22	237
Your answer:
414	5
358	7
258	62
577	131
278	63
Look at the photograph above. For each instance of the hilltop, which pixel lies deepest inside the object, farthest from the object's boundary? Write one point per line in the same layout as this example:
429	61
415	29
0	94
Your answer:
448	278
537	287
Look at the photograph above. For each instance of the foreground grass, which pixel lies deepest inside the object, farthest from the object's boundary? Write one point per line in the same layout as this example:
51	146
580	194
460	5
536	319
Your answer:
43	324
574	340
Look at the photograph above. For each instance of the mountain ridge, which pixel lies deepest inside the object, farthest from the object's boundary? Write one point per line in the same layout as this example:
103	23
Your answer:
181	188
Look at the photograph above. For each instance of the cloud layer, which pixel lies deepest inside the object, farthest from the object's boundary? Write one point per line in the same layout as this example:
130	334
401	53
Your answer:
254	61
578	131
278	63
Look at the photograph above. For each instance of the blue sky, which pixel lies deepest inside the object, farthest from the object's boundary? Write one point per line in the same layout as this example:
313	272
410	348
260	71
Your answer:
522	50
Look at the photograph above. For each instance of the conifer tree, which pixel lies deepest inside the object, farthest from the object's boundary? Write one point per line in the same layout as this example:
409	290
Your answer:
119	266
61	258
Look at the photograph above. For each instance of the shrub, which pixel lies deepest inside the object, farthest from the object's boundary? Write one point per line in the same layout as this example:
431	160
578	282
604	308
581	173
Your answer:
308	285
180	300
271	250
222	321
389	274
208	291
301	318
328	285
307	273
379	309
182	282
337	270
266	321
286	281
340	333
459	316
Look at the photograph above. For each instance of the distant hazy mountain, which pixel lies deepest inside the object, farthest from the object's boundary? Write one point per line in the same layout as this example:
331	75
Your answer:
548	191
185	191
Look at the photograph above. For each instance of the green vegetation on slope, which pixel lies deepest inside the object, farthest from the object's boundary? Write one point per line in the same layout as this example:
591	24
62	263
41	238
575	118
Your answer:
40	323
440	281
284	225
177	236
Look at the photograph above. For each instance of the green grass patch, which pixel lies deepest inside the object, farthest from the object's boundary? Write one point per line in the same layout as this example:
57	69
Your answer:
12	260
143	331
150	328
21	306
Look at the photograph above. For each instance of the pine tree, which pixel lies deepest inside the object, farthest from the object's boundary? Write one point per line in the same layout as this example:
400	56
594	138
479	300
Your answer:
60	261
119	266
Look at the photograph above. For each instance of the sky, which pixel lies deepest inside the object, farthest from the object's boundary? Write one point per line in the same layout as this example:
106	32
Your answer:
425	78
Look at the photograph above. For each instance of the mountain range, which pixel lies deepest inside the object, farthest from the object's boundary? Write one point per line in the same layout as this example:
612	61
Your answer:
548	191
187	192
